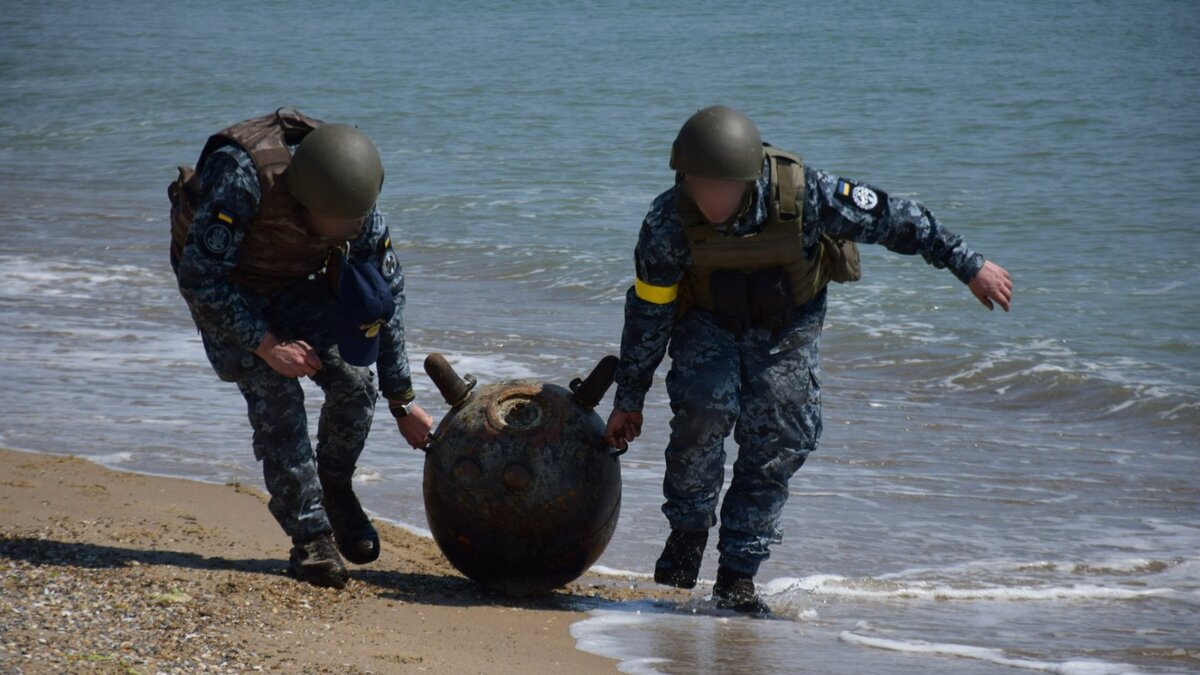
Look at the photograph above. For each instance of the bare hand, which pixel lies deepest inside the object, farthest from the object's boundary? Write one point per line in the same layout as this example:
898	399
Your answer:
992	283
623	427
294	358
415	427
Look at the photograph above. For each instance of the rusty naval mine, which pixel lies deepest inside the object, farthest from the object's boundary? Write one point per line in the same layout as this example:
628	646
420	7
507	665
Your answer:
522	493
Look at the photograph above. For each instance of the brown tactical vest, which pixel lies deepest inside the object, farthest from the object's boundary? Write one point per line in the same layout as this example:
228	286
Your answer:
779	245
277	248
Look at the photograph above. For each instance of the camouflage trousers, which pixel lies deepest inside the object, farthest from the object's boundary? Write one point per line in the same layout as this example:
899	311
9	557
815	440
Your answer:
766	389
292	471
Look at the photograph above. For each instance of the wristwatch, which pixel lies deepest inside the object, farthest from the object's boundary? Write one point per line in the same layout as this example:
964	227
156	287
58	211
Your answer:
402	408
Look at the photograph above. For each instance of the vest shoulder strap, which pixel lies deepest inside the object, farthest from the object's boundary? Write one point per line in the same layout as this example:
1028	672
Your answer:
787	184
265	138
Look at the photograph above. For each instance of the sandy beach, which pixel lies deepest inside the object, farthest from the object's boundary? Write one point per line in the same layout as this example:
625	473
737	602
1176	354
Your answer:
103	571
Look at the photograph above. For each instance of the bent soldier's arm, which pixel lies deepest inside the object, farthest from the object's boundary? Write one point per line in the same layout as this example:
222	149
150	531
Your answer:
374	246
228	202
660	259
850	210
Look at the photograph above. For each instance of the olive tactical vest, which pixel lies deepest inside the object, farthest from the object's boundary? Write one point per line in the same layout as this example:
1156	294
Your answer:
277	248
779	246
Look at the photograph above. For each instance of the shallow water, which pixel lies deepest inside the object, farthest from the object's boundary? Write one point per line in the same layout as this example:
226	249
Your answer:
992	491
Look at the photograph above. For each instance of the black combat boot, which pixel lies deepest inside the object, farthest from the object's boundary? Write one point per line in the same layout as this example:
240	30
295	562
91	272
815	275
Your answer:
317	562
679	564
735	590
356	537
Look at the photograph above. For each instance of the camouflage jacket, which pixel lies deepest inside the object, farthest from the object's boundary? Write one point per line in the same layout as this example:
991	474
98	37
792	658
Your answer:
235	314
838	207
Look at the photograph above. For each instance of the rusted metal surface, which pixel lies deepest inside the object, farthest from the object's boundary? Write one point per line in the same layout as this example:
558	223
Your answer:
522	493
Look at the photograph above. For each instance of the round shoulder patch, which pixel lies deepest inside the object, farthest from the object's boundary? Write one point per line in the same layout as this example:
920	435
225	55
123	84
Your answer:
865	198
390	264
217	238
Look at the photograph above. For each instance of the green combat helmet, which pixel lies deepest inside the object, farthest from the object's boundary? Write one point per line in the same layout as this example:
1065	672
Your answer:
336	171
719	143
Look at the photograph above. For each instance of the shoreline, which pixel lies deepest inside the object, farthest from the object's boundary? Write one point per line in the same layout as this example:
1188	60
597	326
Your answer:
109	571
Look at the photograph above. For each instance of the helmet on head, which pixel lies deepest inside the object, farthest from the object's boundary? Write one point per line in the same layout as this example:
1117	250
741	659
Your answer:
336	171
721	143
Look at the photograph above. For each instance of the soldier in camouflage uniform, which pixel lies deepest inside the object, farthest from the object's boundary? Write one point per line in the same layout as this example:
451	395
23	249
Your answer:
732	265
288	270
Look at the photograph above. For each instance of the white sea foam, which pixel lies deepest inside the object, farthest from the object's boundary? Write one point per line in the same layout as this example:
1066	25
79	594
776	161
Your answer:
996	656
601	634
367	476
162	422
605	571
407	527
1158	290
24	277
485	368
111	459
880	589
1107	566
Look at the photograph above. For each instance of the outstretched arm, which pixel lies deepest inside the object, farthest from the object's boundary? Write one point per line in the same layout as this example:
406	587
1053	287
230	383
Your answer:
847	209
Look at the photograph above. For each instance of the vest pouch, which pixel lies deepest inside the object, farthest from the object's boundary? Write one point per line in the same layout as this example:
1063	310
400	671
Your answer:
841	258
772	304
730	293
184	193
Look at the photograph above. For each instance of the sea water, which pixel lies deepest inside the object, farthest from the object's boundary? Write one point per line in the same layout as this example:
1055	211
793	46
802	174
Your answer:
992	492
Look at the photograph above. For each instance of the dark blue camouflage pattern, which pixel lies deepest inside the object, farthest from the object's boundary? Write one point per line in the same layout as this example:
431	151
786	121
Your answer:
276	408
233	320
764	387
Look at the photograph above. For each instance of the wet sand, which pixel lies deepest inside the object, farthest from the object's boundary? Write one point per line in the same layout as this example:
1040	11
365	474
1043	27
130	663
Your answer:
103	571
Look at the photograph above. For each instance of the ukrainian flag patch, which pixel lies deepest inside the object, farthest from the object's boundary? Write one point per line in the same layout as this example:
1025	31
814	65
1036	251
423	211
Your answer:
862	197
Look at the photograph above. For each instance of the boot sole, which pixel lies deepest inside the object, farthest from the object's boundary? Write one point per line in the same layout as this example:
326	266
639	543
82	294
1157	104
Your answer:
323	580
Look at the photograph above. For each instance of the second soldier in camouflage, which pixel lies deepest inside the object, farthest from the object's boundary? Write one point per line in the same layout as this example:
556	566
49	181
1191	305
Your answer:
732	265
289	271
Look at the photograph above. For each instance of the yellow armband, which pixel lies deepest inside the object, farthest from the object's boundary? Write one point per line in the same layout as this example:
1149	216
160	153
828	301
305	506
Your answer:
659	295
